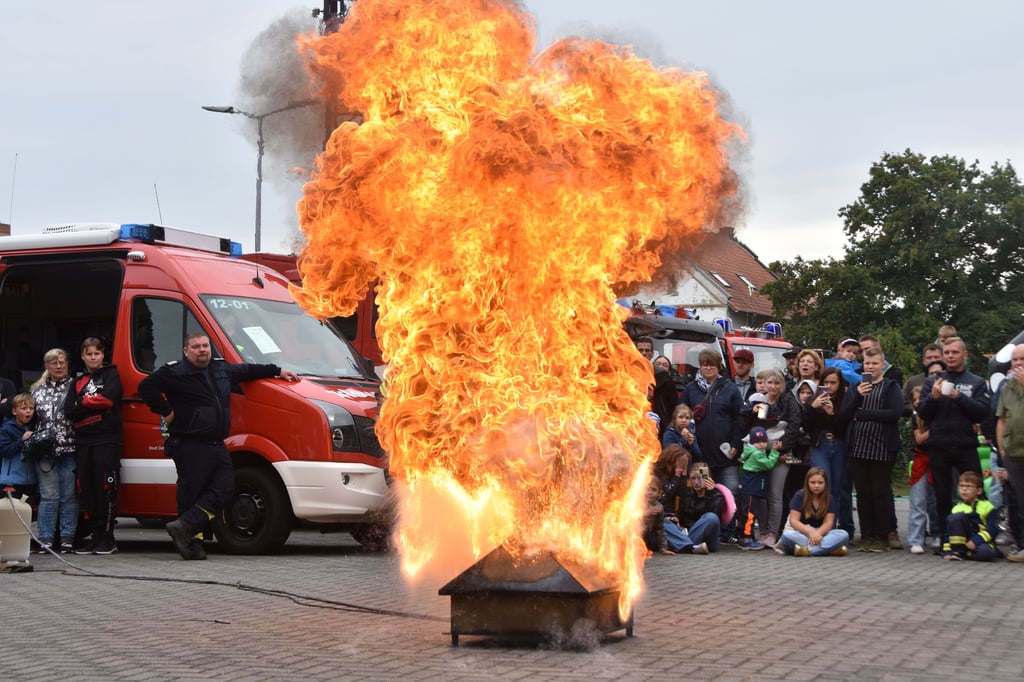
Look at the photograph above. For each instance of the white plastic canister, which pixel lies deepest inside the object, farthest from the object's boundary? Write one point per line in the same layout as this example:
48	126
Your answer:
14	538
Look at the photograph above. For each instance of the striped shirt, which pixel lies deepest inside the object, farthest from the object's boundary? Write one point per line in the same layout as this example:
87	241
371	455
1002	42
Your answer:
867	441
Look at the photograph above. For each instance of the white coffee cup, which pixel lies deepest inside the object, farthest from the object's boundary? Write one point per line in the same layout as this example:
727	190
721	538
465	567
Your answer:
946	387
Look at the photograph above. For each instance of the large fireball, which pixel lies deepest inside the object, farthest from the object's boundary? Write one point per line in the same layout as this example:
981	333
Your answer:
502	200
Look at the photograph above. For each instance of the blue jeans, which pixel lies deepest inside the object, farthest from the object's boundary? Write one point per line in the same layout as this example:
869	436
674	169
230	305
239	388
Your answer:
57	492
995	488
706	529
830	455
918	512
833	539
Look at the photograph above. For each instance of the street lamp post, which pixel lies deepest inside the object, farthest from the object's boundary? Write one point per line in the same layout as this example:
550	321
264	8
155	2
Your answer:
259	148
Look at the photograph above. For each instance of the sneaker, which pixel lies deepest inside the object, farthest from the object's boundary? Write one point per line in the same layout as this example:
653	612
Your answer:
800	550
952	557
86	547
1016	556
105	546
1004	539
43	547
768	540
894	541
181	538
750	544
839	551
67	548
917	549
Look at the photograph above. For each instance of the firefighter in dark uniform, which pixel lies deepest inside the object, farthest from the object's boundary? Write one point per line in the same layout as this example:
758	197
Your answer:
194	398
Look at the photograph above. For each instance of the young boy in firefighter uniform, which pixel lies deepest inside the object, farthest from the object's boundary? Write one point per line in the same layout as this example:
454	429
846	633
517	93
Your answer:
972	527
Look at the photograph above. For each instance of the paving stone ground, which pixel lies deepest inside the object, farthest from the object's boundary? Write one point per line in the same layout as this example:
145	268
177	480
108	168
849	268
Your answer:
728	616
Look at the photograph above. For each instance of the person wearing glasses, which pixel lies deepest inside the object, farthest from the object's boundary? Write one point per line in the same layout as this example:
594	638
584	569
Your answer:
58	500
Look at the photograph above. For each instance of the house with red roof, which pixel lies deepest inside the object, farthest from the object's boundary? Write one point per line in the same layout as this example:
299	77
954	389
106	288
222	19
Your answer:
723	281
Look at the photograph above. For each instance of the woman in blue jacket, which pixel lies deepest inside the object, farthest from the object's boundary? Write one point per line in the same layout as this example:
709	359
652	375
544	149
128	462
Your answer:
716	404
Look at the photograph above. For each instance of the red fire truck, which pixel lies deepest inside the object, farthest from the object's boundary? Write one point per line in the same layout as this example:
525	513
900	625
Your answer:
302	451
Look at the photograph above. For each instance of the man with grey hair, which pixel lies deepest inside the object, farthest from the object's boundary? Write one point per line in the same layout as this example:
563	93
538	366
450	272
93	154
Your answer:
1010	438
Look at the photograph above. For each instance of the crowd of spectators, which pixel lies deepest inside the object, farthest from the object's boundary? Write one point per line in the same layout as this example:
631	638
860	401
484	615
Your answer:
788	452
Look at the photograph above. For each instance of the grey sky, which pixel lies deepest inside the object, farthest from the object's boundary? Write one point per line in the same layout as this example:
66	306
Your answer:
101	100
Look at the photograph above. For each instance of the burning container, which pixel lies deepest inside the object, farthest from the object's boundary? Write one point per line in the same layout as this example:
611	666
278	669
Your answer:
532	598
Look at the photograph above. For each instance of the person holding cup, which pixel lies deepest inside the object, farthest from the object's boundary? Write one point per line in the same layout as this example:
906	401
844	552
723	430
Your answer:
780	415
952	402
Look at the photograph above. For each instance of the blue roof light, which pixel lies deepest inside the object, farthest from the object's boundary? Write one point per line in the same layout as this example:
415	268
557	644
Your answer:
137	231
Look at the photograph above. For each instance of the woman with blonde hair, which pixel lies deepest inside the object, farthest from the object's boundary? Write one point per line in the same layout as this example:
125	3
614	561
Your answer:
780	415
809	365
56	473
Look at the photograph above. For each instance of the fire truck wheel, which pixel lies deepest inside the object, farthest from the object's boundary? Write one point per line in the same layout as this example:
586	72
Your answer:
259	518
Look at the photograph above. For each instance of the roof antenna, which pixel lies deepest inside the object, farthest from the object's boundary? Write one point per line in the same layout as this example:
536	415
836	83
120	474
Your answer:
256	280
158	211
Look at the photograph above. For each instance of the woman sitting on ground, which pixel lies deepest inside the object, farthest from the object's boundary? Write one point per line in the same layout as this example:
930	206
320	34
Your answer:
812	520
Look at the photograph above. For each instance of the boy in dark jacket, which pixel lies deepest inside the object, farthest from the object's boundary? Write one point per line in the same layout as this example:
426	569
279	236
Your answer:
15	471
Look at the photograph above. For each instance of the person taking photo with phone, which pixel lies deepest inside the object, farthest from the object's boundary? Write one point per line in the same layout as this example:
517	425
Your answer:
872	411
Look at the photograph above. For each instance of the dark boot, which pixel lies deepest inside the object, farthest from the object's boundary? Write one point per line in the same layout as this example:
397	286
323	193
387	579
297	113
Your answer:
181	536
198	551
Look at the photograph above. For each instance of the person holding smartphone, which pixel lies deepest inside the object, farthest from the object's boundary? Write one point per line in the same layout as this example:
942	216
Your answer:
827	431
872	411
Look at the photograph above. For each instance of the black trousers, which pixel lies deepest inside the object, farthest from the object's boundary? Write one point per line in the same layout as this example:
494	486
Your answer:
206	479
875	508
99	477
943	459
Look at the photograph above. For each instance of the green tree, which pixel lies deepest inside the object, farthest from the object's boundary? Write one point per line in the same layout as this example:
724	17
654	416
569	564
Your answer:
930	241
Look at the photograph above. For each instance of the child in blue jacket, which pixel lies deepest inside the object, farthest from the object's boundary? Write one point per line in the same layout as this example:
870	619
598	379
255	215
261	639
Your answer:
16	472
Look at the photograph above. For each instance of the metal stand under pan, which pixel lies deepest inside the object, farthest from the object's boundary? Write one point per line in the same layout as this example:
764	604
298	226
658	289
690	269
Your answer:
536	599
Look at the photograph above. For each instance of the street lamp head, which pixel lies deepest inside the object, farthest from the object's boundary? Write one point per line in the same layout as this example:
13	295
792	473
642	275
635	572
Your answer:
221	110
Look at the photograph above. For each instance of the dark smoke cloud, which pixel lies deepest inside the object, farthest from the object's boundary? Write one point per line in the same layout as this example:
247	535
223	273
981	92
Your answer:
273	75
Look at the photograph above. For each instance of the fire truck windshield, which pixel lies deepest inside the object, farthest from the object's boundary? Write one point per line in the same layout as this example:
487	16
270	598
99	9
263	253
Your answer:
281	333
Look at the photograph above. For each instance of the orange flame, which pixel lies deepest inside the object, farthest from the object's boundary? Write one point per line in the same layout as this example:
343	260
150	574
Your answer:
502	200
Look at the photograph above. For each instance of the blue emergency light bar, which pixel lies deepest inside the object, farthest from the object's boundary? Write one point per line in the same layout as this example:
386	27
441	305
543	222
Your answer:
150	234
724	322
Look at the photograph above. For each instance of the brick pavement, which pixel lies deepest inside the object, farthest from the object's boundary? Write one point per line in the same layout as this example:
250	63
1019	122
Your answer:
730	616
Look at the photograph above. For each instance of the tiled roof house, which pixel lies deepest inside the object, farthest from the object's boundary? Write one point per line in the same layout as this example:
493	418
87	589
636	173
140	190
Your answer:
724	282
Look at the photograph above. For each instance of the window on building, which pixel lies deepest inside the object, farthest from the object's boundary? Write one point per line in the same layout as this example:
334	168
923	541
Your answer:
746	281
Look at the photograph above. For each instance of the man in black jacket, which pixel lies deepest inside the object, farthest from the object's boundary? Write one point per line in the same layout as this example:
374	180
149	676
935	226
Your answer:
952	402
194	398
